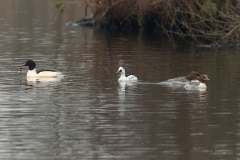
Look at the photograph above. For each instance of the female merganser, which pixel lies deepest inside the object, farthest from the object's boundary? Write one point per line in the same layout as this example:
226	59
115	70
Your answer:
193	76
181	81
200	85
124	78
32	73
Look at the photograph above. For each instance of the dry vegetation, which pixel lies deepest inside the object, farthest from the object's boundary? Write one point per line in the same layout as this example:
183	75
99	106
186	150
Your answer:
213	22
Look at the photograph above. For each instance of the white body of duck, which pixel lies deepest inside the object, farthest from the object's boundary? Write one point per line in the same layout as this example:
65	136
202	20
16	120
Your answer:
32	73
124	78
200	85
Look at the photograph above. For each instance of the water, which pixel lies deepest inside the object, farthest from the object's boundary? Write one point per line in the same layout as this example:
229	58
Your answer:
88	115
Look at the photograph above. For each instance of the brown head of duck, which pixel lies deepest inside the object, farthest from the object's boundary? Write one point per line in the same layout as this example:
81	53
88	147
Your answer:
203	78
194	75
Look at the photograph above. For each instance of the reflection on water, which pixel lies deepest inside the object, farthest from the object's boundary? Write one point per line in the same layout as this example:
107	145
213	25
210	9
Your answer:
125	89
88	114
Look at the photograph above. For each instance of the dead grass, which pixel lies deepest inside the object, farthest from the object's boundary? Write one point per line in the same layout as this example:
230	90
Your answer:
206	21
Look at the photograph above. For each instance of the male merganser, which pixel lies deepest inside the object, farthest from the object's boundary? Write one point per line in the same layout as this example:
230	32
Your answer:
181	81
124	78
200	85
32	73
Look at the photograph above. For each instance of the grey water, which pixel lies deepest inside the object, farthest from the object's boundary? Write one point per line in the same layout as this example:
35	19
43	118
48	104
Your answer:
88	115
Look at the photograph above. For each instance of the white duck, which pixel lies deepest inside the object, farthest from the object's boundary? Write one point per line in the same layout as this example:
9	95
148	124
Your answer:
124	78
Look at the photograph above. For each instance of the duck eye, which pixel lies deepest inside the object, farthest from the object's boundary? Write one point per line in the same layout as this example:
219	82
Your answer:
120	70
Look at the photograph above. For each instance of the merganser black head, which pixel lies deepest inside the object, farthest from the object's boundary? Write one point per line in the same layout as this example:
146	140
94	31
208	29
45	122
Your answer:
30	63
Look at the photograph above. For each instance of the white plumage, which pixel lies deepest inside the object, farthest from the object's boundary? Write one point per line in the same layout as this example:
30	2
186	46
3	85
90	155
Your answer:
181	81
32	73
124	78
201	85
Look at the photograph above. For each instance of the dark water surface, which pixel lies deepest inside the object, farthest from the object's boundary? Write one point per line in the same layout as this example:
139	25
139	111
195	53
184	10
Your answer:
88	115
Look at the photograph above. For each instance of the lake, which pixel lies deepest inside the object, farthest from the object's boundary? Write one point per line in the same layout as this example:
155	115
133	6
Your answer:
88	114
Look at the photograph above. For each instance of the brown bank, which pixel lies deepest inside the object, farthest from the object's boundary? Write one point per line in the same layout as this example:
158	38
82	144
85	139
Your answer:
208	22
